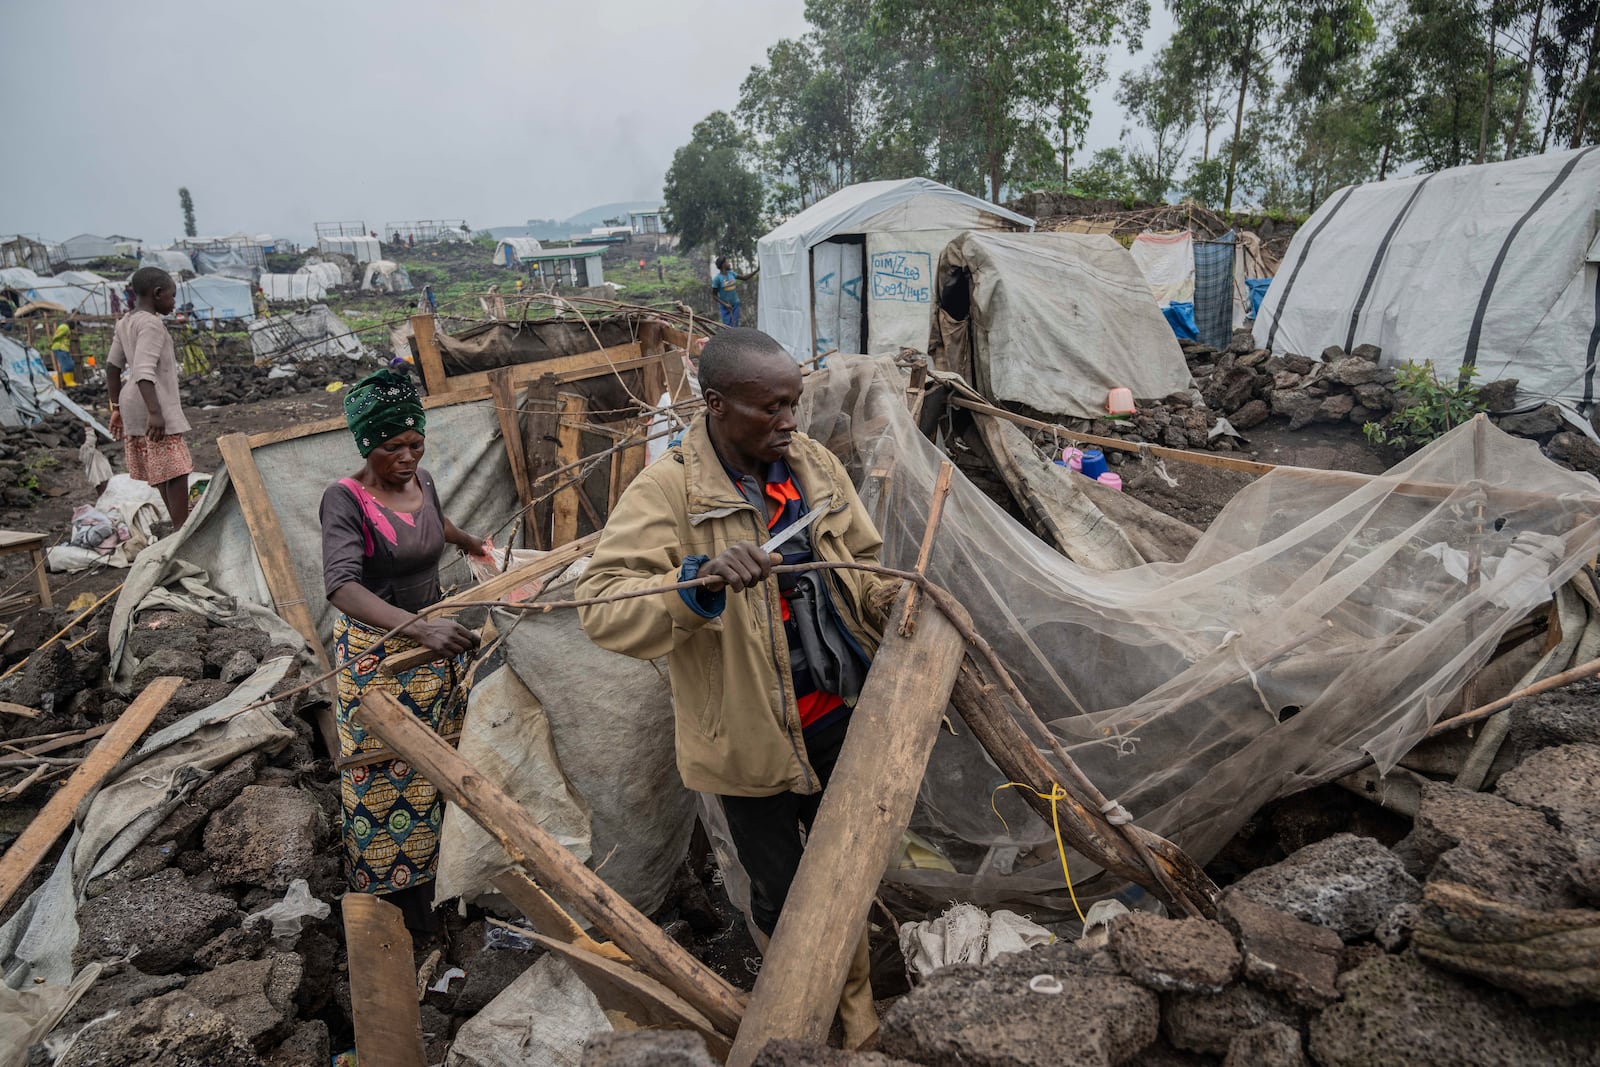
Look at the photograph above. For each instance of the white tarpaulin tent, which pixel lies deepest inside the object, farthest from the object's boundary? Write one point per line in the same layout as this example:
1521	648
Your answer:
513	251
171	260
327	273
27	392
216	296
1167	261
1054	321
361	249
868	250
86	246
1495	266
387	275
71	290
286	287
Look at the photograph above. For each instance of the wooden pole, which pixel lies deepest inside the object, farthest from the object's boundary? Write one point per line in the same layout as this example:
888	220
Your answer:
30	847
564	510
272	550
542	451
383	983
863	814
493	589
529	845
504	394
941	490
428	358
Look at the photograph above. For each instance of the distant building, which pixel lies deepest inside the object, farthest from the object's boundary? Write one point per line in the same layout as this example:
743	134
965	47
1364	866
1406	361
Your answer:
646	222
17	250
577	267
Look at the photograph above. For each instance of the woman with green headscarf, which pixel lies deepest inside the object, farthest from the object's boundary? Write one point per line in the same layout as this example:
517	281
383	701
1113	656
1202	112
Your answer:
383	533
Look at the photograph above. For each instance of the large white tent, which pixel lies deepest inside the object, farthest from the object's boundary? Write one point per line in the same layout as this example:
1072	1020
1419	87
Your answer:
361	249
1054	321
302	286
86	247
171	260
1494	266
71	290
854	272
514	251
216	296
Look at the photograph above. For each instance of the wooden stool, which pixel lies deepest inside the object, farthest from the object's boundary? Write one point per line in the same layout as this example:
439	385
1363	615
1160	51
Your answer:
14	541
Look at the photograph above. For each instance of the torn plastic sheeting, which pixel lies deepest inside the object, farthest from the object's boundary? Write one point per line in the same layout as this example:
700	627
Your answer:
36	943
506	739
288	915
545	1017
1305	628
967	934
27	1015
600	704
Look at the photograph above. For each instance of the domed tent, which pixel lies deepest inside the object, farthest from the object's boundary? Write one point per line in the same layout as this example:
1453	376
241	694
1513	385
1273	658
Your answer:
1494	266
854	272
1052	320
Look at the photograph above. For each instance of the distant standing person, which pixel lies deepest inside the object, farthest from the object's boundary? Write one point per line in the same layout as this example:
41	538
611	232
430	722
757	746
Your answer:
433	305
61	353
116	304
145	408
725	287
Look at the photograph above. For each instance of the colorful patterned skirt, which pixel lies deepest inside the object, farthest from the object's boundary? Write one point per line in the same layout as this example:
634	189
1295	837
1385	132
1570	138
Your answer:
392	813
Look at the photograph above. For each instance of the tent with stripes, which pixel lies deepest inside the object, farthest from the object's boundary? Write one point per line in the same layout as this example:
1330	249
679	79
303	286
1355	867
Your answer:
1495	266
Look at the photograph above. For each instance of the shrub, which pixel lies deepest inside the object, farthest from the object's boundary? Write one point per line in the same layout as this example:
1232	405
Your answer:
1425	407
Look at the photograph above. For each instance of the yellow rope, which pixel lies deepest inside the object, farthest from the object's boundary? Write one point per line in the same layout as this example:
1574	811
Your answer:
1056	794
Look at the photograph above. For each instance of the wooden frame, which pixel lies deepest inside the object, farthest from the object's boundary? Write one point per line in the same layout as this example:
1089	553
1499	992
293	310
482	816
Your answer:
662	370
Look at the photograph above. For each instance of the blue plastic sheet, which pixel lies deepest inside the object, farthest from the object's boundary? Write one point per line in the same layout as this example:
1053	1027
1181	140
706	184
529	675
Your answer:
1181	318
1258	292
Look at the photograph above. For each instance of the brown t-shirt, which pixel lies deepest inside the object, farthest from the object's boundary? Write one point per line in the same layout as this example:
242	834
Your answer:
392	554
143	350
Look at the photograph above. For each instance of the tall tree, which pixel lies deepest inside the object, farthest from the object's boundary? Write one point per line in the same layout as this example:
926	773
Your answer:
1313	40
1084	31
1164	106
710	197
186	202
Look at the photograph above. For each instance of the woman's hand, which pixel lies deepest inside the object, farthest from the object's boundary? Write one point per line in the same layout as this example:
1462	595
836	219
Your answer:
444	636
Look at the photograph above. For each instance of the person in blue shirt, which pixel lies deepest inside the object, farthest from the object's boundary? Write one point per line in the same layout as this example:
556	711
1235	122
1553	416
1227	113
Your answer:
725	287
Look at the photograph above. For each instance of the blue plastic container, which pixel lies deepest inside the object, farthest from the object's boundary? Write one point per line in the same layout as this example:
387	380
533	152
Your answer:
1094	463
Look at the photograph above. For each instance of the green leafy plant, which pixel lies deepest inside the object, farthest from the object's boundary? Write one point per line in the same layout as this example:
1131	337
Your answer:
1425	407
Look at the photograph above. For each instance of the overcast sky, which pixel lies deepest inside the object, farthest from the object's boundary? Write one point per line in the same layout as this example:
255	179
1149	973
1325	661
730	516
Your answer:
277	115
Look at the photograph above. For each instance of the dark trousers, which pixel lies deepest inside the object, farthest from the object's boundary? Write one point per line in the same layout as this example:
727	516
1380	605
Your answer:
766	830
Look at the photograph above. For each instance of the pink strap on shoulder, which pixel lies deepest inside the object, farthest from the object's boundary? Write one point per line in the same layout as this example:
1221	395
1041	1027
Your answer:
375	519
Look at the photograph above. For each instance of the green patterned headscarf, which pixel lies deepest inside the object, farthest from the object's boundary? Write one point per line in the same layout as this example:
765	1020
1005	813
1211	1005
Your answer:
382	405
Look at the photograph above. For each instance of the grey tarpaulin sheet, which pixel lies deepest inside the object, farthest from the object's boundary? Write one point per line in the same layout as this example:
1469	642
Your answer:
1317	620
213	552
36	943
1060	319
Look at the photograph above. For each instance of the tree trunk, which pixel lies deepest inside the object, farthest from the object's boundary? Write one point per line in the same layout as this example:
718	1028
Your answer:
1383	162
1586	87
1238	134
1513	134
994	178
1488	98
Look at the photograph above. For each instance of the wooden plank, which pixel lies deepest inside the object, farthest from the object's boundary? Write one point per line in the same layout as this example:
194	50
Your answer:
863	814
272	550
521	373
337	422
626	465
530	846
583	364
564	510
21	710
428	359
541	447
1204	459
383	983
493	589
504	392
641	998
40	836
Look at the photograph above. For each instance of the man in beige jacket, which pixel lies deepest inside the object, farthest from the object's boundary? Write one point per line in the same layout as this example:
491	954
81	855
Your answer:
765	669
